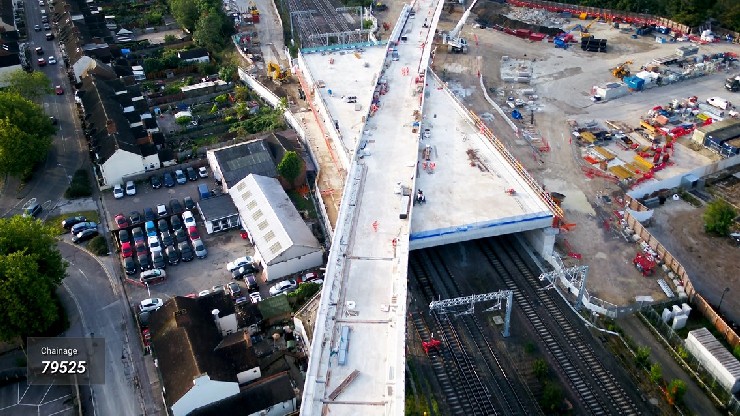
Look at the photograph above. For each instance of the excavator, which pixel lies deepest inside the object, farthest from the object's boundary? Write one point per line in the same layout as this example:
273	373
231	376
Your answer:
622	70
277	74
584	30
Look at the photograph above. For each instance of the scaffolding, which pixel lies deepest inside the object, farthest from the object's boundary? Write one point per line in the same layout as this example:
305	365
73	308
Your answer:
576	276
319	23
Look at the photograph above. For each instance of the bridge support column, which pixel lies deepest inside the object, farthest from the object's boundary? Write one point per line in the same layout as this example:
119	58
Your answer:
507	319
542	240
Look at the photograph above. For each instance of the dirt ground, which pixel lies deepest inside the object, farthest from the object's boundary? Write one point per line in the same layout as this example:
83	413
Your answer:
563	80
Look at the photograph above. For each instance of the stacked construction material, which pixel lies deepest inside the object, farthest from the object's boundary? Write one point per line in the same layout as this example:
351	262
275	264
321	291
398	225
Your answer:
591	44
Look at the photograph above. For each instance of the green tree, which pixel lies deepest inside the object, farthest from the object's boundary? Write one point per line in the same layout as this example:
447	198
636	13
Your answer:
227	73
31	268
212	31
656	373
540	369
736	351
98	246
168	38
642	356
718	217
25	134
552	398
185	12
290	167
675	391
29	85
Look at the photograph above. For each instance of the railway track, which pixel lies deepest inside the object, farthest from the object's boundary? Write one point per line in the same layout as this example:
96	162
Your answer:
599	392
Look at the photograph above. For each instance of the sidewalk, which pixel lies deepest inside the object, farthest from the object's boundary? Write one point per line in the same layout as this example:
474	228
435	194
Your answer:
696	400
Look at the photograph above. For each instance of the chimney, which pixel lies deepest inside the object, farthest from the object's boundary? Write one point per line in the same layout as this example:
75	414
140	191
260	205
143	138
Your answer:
111	126
216	320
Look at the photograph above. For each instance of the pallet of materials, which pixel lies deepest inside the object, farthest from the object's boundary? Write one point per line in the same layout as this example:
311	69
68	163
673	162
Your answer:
607	155
620	172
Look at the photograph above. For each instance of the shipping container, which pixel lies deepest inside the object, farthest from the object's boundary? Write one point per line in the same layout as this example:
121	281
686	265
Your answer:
702	131
635	83
725	134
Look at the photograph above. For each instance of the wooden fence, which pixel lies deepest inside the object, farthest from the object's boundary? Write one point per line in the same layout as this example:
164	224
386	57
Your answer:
696	299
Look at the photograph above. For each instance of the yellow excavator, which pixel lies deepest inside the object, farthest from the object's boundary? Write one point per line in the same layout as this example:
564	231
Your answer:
277	74
622	70
584	30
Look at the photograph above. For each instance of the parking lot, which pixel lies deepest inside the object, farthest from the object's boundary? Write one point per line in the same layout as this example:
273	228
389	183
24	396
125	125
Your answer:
185	278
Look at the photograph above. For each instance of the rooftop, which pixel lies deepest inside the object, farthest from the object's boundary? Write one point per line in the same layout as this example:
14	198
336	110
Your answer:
240	160
217	207
253	398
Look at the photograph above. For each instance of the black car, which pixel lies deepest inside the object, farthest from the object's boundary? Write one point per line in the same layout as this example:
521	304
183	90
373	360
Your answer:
156	181
173	257
84	235
234	290
158	259
129	265
181	236
176	206
69	222
149	214
186	252
169	181
144	262
189	204
240	272
167	239
162	226
123	236
176	222
138	234
192	175
135	217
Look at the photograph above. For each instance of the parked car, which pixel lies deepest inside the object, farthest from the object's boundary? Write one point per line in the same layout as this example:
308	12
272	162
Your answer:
204	292
167	239
173	257
41	62
130	188
188	219
176	206
134	217
200	249
37	28
161	210
47	26
141	248
234	290
310	276
121	221
251	281
189	204
283	287
203	172
82	226
148	305
186	253
217	288
127	250
191	174
169	181
32	210
59	90
52	60
153	274
193	234
181	236
123	236
176	222
241	261
159	260
151	230
39	50
118	191
180	177
84	235
156	181
129	265
149	214
162	225
144	262
69	222
49	35
241	272
255	297
138	234
154	244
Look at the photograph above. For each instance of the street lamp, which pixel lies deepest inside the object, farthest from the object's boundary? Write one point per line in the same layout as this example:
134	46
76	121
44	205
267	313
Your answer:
719	307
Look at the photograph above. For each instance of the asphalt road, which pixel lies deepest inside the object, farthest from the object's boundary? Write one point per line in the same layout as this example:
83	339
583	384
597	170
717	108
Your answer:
93	300
68	153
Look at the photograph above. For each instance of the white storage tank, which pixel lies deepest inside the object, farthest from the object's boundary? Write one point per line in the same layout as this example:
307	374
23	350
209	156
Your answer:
686	309
666	315
677	310
715	358
679	322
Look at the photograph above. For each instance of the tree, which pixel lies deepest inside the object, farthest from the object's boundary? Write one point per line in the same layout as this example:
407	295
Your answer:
642	356
25	134
552	398
212	31
718	217
290	167
227	73
675	391
656	373
736	351
31	86
31	268
185	12
539	367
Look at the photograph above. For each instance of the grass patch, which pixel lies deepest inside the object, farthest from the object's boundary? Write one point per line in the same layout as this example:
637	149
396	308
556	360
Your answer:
56	221
303	203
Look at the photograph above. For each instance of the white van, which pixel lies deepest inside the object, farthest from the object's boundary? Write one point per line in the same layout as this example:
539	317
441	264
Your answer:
719	103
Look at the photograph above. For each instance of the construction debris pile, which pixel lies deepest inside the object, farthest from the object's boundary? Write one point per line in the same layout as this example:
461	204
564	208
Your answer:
537	17
516	70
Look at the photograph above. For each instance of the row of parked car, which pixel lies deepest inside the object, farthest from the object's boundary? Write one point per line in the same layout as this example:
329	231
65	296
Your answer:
81	229
168	179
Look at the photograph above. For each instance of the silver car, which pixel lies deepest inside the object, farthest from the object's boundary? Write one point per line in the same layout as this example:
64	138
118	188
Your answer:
200	249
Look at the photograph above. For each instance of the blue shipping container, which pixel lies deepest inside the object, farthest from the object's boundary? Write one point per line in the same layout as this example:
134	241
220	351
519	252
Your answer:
636	83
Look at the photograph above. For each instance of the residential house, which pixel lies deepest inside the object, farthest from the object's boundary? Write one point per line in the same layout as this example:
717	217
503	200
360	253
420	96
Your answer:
283	243
270	396
83	36
196	55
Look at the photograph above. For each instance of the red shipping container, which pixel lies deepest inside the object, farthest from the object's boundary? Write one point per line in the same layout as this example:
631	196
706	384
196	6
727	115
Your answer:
523	33
537	36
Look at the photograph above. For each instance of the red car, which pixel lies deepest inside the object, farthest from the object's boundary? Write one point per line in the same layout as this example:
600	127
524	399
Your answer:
122	221
41	61
59	90
126	250
141	248
193	233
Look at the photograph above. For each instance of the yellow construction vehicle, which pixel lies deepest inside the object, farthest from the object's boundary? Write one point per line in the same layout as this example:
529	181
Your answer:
584	30
622	70
277	74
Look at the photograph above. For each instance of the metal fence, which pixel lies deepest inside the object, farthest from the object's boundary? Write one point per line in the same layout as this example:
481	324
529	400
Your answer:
678	350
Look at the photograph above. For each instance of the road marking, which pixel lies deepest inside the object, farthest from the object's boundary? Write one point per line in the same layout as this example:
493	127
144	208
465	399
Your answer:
83	274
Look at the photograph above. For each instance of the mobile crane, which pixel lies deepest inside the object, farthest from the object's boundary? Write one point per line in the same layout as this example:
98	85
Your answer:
455	43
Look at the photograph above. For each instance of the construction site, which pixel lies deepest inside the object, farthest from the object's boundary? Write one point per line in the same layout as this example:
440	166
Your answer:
596	140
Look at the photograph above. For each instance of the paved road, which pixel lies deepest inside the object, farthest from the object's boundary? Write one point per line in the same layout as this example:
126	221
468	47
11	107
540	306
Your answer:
93	300
68	153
